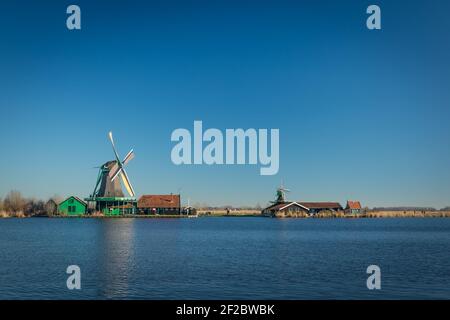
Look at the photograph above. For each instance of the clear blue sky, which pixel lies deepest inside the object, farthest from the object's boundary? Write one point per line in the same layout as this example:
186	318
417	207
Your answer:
362	114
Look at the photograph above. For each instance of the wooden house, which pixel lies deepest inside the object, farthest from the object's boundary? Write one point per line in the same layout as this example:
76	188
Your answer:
316	207
72	206
285	209
353	207
159	204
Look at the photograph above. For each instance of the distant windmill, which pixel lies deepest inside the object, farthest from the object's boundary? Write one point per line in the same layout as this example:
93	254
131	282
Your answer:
281	194
109	185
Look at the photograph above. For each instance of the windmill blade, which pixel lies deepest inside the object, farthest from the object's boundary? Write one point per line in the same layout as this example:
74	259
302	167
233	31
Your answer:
128	157
114	147
126	182
114	172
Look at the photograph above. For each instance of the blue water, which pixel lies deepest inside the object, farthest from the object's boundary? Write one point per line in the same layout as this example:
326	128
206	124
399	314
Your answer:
224	258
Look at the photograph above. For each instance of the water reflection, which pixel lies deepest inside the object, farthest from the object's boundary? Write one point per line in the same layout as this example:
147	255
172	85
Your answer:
116	257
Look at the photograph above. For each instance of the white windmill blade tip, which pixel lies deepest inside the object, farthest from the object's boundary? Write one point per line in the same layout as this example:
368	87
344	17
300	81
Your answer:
130	156
129	152
114	148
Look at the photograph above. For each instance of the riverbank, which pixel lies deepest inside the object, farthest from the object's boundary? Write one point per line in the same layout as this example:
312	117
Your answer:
372	214
229	213
253	213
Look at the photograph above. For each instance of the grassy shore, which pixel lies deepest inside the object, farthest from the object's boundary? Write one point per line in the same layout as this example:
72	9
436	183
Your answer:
374	214
407	214
230	213
257	213
4	214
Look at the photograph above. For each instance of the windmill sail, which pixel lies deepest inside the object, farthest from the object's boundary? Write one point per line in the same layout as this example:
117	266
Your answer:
126	183
107	186
128	157
117	168
114	147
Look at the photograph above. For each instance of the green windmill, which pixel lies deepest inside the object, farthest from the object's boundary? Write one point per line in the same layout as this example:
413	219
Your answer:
107	185
280	196
108	196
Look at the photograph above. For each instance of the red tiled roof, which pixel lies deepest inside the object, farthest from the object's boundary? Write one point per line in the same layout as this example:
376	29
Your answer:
321	205
353	205
159	201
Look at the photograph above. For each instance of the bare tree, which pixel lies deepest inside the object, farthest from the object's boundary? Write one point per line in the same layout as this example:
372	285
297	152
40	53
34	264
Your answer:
14	202
51	207
1	205
34	207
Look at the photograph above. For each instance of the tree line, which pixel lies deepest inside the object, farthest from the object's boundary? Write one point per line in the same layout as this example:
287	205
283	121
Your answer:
16	205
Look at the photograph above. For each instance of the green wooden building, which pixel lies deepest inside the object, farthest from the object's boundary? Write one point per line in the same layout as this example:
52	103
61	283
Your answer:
72	206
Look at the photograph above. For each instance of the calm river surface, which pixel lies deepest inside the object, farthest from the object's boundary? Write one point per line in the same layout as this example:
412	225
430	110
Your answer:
224	258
